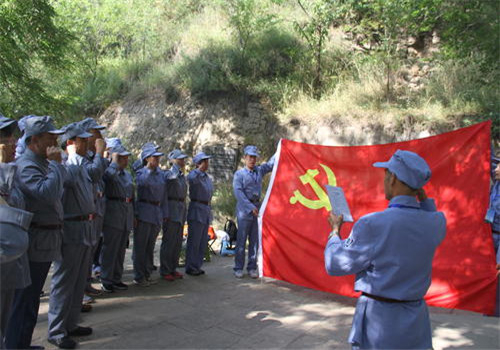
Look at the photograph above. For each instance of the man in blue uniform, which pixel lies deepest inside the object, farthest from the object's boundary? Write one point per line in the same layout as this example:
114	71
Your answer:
199	214
247	186
41	178
391	254
150	181
96	164
14	224
118	219
71	270
173	226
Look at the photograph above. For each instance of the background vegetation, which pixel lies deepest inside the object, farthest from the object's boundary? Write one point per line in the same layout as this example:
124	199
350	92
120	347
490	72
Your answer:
307	58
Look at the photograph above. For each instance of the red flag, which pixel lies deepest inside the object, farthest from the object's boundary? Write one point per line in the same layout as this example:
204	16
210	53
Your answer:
294	225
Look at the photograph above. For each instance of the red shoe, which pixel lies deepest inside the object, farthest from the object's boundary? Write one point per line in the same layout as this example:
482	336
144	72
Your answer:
178	275
169	278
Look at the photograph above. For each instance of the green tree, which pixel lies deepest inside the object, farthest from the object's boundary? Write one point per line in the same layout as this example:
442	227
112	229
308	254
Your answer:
30	42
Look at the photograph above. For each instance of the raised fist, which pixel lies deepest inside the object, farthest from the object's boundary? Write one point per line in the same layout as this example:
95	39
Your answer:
54	153
100	146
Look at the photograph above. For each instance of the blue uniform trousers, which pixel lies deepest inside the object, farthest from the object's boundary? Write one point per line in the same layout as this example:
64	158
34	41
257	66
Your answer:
197	241
151	250
114	244
66	290
142	254
98	231
24	312
247	229
6	300
171	245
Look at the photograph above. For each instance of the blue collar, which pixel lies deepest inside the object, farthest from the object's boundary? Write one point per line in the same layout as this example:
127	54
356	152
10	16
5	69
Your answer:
404	202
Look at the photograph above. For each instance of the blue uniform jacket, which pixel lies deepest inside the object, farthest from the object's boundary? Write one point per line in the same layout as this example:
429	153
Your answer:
96	165
200	189
247	187
118	187
176	193
41	183
151	187
78	200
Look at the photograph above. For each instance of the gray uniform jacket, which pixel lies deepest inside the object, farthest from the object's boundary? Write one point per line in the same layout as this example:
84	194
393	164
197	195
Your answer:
119	192
41	183
176	192
14	270
78	200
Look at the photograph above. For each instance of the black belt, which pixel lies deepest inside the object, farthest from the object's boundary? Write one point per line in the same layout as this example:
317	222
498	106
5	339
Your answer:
89	217
120	199
176	199
202	202
157	203
495	232
46	226
386	300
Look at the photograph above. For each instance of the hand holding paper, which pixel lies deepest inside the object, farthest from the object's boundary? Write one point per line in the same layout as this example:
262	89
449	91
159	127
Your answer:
339	203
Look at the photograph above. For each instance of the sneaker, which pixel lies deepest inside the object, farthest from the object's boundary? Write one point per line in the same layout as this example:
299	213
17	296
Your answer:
107	288
151	281
63	343
178	275
193	272
142	283
91	291
120	286
169	278
202	272
80	331
253	274
86	308
238	274
87	299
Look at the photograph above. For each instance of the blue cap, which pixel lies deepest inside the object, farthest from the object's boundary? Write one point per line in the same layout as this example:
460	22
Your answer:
37	125
120	149
150	152
6	122
90	124
408	167
199	157
137	165
74	130
150	145
251	151
176	154
22	122
112	142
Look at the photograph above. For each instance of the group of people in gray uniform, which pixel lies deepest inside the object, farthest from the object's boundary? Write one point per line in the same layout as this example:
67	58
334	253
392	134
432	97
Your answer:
63	208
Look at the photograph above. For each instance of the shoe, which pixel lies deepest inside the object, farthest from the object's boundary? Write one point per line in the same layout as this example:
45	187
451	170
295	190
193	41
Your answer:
151	281
120	286
155	267
86	308
253	274
202	272
36	347
178	275
87	299
142	283
238	274
107	288
193	272
63	343
169	278
92	291
80	331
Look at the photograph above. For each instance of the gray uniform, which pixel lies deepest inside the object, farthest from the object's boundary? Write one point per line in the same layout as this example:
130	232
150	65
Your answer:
70	272
118	222
172	231
41	183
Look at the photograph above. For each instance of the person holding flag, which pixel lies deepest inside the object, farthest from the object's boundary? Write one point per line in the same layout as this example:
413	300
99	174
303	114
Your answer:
391	253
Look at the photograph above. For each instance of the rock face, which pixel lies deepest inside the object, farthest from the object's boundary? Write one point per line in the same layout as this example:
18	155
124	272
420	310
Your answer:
222	125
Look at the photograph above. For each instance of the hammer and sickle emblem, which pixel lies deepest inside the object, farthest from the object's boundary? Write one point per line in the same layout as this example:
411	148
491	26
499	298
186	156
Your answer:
309	178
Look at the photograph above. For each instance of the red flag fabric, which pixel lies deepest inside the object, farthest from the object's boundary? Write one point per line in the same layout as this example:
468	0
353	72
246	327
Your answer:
294	225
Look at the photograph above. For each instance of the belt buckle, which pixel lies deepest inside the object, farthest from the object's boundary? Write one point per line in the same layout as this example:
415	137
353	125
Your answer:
128	200
91	217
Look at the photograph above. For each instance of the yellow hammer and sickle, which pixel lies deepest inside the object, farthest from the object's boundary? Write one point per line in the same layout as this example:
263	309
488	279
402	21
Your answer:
309	178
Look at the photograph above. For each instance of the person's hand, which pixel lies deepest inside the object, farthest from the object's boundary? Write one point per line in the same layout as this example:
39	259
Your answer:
114	157
166	219
54	153
335	221
71	149
106	154
498	270
3	153
100	146
421	195
255	212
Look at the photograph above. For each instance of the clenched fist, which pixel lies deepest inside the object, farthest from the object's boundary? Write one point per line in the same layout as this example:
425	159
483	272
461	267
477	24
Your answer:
54	153
100	146
114	157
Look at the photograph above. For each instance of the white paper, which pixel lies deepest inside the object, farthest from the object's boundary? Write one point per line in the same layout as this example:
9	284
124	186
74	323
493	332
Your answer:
338	202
